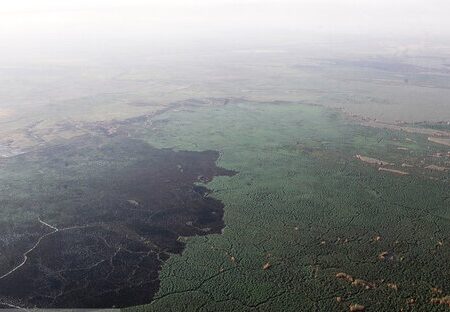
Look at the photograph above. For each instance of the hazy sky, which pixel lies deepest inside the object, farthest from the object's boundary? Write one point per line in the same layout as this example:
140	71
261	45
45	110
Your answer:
36	23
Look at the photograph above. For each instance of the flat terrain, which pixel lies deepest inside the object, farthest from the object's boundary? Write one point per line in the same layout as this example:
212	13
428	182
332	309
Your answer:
310	227
88	224
234	180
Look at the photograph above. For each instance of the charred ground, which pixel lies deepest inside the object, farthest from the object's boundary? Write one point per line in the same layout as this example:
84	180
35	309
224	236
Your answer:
89	223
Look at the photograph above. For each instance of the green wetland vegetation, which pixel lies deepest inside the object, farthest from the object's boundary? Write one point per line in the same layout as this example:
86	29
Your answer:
308	227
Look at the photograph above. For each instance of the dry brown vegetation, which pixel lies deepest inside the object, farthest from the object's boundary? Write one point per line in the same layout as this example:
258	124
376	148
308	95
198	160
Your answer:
383	255
355	281
356	307
392	286
436	168
399	172
344	276
443	300
442	141
372	161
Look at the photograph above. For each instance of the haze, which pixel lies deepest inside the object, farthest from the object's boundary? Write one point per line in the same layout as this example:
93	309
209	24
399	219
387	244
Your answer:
51	26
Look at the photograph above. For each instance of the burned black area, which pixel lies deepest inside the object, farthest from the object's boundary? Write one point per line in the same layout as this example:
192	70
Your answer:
107	215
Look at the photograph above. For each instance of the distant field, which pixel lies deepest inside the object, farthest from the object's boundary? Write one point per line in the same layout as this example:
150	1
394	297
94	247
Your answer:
376	85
